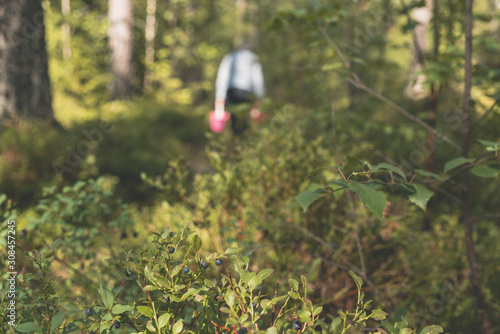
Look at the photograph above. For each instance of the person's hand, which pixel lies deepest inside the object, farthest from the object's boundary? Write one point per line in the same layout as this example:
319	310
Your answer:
255	113
219	105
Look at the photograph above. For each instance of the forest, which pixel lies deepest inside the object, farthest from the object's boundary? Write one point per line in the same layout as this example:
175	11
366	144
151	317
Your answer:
362	198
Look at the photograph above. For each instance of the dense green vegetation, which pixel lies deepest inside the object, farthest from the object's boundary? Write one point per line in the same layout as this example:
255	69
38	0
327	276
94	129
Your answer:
350	190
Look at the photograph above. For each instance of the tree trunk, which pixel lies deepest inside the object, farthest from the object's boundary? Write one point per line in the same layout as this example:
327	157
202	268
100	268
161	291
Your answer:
150	36
121	43
415	89
66	29
476	280
24	79
239	36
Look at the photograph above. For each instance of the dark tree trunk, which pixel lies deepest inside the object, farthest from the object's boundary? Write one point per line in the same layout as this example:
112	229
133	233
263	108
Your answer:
476	280
121	44
24	79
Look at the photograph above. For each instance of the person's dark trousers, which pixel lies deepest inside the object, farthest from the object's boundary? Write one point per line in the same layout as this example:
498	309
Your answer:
237	96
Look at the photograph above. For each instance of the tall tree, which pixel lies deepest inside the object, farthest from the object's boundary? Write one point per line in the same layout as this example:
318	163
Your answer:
121	43
476	279
66	29
150	36
24	80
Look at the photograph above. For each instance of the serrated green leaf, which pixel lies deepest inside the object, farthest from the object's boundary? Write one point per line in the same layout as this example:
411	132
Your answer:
494	145
358	280
56	321
323	168
163	320
317	310
371	198
119	309
485	171
177	328
177	269
306	198
391	168
254	282
294	283
145	310
434	329
28	327
430	174
303	280
149	325
457	162
272	330
263	274
106	296
232	250
196	243
378	314
421	196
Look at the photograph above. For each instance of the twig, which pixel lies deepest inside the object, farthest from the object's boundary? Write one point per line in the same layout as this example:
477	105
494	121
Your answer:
358	83
486	113
481	217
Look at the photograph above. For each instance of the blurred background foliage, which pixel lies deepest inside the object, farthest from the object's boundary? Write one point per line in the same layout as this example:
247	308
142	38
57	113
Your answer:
157	165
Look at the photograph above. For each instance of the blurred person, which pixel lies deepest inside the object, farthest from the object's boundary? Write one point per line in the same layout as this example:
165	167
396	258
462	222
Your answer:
240	82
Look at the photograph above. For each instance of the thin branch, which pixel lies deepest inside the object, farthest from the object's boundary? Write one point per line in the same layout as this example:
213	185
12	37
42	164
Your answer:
486	216
486	113
358	83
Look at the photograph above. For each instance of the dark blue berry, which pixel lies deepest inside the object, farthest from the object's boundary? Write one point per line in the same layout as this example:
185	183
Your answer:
204	264
185	270
89	312
172	250
218	262
116	324
297	325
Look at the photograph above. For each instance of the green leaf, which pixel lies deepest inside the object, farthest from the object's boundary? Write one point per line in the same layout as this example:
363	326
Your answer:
293	294
119	309
232	250
254	282
430	174
107	297
196	243
307	197
358	280
56	321
457	162
378	314
371	198
263	274
332	66
28	327
294	284
145	310
322	168
391	168
485	171
272	330
163	320
149	325
317	310
434	329
149	288
405	331
177	328
421	196
490	144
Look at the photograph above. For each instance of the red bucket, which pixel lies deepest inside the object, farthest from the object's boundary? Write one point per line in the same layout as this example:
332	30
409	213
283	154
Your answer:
218	120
